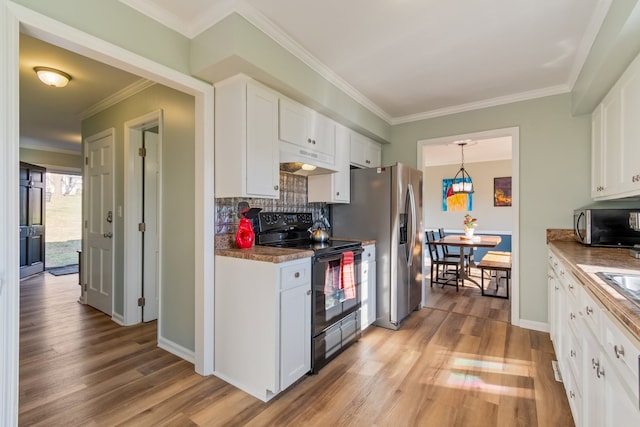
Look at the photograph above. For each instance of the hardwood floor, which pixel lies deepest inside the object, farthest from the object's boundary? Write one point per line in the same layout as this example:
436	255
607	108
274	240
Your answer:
444	367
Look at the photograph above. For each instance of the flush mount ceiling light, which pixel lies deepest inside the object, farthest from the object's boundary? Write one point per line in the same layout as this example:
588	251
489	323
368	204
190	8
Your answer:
462	183
52	77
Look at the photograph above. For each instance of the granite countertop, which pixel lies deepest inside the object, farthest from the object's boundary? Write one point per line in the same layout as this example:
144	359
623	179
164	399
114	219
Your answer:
225	246
586	261
265	254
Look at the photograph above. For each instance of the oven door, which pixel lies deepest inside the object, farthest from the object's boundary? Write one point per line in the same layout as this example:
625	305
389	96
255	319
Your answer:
335	295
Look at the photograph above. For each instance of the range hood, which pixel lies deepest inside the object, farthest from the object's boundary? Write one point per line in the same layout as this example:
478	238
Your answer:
298	161
306	169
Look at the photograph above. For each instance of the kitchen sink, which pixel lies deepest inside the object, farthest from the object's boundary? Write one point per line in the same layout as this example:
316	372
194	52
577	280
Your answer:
627	284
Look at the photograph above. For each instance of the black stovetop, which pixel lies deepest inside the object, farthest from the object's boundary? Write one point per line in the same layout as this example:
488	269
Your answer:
290	230
318	247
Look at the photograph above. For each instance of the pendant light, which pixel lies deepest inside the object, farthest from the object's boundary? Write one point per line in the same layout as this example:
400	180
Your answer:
52	77
462	183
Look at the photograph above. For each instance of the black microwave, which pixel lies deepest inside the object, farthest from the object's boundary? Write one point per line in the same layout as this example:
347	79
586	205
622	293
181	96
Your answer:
605	227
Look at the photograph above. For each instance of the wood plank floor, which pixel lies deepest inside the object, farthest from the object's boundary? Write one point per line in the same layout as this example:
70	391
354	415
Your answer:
444	367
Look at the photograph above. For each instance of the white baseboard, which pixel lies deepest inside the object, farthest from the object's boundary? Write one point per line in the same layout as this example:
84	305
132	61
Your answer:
118	318
176	349
533	325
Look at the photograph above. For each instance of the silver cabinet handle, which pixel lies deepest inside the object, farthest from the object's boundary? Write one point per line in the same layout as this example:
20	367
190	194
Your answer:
619	351
275	187
309	292
589	310
296	275
108	235
572	353
572	316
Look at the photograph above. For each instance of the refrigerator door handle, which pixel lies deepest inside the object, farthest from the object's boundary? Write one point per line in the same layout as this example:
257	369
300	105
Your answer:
412	205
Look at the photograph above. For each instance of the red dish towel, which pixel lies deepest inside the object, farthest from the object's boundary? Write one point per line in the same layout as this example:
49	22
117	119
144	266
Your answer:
348	283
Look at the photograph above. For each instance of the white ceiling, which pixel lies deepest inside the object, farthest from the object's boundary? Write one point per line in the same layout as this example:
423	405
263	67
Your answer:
412	59
403	59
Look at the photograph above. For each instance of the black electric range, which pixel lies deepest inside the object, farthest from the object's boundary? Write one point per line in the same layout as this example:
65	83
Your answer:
291	230
335	304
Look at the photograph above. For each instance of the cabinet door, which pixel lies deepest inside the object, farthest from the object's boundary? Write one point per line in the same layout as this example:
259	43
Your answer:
304	127
262	164
612	143
630	92
620	409
593	382
597	155
335	187
365	152
295	326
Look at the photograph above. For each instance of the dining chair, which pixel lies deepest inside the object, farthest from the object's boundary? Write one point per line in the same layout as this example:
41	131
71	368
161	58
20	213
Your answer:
450	274
455	252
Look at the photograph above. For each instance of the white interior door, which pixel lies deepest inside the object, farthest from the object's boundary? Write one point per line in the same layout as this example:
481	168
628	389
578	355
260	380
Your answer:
99	217
150	218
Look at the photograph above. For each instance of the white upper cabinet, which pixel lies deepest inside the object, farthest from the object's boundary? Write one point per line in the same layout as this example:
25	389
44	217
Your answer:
630	90
598	183
246	139
615	166
365	153
335	187
313	133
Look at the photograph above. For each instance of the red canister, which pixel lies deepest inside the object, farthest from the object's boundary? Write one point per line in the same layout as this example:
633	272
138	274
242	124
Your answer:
245	235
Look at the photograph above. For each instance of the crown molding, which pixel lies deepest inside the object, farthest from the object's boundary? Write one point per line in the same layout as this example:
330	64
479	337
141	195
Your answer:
494	102
265	25
115	98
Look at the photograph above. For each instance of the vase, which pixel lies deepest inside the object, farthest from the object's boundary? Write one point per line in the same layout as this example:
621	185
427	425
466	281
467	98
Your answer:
468	232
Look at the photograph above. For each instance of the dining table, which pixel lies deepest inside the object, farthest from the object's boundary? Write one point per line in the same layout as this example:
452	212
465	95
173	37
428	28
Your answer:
463	242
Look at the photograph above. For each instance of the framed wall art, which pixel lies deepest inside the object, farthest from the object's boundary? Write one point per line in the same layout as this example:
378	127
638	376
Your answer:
502	191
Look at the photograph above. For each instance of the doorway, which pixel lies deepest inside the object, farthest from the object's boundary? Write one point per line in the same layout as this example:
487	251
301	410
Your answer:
493	163
63	207
143	148
18	19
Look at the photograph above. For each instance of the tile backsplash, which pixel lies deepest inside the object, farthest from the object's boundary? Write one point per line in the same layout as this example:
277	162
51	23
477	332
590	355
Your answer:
293	198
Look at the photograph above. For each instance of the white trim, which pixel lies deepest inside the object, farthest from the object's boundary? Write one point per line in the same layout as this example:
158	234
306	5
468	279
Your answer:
535	326
9	242
494	102
13	16
133	212
115	98
514	133
118	318
178	350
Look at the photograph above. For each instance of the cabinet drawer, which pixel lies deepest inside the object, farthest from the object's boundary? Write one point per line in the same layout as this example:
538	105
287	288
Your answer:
295	275
573	355
623	353
591	313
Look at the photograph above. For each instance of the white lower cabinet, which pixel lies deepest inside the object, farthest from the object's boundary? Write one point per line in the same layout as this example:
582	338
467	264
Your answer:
262	324
368	275
597	356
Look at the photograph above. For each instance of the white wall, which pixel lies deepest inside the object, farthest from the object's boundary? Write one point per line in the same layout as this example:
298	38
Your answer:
491	219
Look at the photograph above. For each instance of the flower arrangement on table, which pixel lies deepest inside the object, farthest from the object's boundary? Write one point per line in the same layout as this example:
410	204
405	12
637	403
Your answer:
470	223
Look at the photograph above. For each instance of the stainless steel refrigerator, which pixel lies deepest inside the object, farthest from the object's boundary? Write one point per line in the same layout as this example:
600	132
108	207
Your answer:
386	205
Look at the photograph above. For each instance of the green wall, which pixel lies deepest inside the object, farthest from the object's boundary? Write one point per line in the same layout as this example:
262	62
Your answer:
491	219
554	167
117	23
178	203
